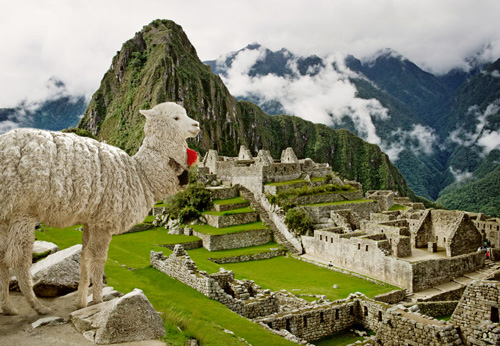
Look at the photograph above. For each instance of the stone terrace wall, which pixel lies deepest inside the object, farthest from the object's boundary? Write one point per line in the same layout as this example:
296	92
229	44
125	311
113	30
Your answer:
246	258
221	221
180	266
391	297
234	240
437	309
362	209
314	323
477	313
327	197
432	272
402	328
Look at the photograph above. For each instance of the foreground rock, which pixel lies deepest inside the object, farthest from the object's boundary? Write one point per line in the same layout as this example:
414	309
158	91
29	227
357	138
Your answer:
129	318
56	274
44	247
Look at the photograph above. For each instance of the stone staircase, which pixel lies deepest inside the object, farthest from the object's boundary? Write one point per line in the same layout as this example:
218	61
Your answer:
248	195
453	289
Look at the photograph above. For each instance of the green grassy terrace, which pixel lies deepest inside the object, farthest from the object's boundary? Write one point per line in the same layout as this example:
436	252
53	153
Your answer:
207	229
397	207
189	314
296	181
235	200
341	202
230	212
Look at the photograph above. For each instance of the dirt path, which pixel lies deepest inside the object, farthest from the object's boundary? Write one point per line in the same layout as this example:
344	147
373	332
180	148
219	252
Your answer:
17	330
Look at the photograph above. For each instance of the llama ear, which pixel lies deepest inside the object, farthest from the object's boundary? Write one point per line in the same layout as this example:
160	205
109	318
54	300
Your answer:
147	113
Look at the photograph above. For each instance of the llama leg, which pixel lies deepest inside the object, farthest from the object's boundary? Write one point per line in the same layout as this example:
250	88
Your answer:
99	245
83	284
5	303
21	253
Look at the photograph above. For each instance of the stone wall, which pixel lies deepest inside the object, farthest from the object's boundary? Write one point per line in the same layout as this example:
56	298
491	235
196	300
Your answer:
243	297
363	209
246	258
391	297
224	192
402	328
363	255
477	313
385	198
313	323
234	240
227	220
327	197
187	246
432	272
437	309
226	207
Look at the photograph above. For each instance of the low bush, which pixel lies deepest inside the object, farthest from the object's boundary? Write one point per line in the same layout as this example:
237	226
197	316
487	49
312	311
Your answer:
299	221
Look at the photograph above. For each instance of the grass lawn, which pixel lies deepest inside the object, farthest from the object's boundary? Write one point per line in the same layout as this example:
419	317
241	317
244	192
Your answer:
342	338
300	277
340	202
289	182
181	306
230	212
200	256
235	200
207	229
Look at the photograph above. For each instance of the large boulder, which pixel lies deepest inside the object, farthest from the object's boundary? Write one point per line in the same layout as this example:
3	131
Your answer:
125	319
56	274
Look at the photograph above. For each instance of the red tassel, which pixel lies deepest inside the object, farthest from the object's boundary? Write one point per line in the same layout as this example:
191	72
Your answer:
192	156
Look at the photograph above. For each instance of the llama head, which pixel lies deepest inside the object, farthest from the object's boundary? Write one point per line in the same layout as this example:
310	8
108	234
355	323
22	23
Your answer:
174	113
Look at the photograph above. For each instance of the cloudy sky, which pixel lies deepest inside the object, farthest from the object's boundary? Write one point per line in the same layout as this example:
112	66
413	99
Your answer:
76	40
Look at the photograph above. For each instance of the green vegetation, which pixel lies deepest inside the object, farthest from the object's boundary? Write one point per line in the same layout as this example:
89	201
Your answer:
299	221
342	338
287	199
235	200
79	132
289	182
189	314
397	207
341	202
186	205
230	212
300	277
207	229
144	82
39	256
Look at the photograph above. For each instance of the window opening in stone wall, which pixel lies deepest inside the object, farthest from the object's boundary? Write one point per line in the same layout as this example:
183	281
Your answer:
494	315
366	311
359	246
366	249
380	316
326	238
331	240
436	238
321	317
270	325
284	168
336	314
287	325
389	323
305	321
320	237
351	310
275	169
444	240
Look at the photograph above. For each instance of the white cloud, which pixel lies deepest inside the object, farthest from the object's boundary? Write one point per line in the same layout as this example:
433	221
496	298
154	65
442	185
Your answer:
420	139
76	40
7	125
459	175
484	138
325	97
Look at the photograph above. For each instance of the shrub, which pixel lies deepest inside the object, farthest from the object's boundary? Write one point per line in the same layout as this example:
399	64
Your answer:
189	204
299	221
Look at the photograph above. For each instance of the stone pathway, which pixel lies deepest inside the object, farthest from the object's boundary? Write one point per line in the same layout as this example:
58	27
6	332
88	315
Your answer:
247	194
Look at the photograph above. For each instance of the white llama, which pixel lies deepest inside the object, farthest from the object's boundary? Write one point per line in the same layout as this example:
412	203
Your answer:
62	179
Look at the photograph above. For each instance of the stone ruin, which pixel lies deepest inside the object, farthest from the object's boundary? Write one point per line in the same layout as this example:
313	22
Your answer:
475	320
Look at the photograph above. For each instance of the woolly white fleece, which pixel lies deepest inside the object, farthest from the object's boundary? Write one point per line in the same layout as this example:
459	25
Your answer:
62	179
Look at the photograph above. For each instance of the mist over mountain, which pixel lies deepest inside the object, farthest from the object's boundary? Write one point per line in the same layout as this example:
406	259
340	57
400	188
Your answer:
59	111
437	129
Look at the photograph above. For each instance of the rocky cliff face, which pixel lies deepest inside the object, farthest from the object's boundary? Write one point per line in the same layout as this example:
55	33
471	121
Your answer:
159	64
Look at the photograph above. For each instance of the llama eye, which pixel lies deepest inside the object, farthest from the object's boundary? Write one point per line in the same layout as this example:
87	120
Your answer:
176	118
